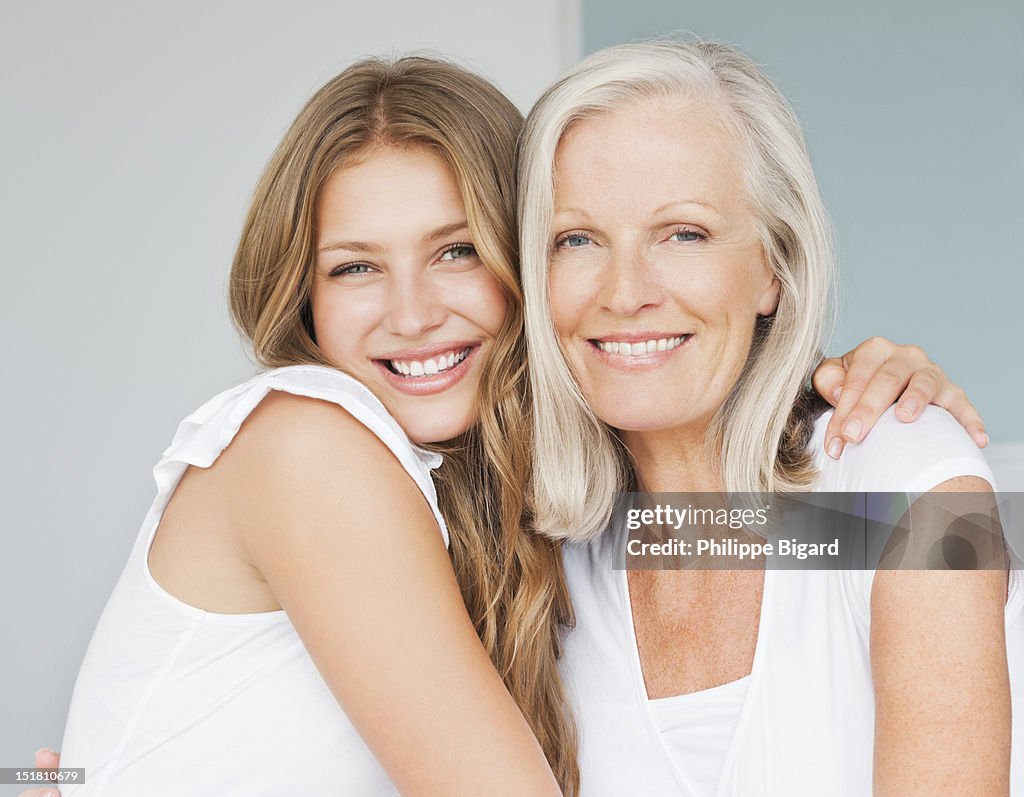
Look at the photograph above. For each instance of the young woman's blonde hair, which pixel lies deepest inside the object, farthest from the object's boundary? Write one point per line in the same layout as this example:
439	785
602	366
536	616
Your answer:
511	580
579	462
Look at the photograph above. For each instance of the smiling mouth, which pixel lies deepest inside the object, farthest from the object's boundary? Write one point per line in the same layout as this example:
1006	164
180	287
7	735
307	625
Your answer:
438	364
640	348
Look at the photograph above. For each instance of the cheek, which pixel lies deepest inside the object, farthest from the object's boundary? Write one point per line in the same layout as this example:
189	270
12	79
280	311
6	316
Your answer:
493	306
568	298
734	303
730	291
340	322
478	298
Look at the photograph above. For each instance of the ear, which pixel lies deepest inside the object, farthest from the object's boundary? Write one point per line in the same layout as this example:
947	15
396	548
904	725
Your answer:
768	302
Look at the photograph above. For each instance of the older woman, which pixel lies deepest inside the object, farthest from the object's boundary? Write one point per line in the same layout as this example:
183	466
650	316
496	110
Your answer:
677	264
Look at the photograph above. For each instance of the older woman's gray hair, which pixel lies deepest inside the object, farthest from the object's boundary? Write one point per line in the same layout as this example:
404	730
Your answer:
580	464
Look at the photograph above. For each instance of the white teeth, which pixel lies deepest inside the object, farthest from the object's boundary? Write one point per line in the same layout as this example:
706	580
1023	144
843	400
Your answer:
429	367
643	347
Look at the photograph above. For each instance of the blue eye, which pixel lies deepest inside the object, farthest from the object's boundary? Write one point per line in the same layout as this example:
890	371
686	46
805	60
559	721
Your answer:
353	268
687	235
459	251
573	241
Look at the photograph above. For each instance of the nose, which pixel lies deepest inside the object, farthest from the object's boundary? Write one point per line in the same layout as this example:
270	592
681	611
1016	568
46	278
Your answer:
629	282
415	306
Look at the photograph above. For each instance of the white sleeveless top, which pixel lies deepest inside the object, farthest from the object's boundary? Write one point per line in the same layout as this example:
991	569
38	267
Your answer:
173	700
804	721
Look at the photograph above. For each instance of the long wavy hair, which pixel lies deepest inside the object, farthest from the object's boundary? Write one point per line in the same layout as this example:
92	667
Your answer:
761	431
511	580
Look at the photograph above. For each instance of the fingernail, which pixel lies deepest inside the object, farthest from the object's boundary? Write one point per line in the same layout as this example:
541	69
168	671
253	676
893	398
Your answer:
982	440
837	393
835	448
44	750
853	430
908	408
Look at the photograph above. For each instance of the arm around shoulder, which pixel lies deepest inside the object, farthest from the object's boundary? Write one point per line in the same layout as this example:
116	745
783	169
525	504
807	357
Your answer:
351	550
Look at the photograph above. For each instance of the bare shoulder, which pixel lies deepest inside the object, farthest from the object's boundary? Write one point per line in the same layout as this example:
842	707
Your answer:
292	444
964	484
290	425
303	467
954	526
292	458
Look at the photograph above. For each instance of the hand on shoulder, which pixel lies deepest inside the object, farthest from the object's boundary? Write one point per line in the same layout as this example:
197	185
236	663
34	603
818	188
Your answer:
901	457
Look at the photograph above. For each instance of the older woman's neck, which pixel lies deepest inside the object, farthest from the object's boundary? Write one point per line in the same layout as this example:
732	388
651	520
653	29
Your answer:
674	462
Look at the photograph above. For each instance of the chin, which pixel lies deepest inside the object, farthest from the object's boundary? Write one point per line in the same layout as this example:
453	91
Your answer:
429	428
629	421
632	424
640	417
626	412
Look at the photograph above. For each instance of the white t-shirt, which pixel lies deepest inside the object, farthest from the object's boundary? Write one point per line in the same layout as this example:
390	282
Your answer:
805	722
173	700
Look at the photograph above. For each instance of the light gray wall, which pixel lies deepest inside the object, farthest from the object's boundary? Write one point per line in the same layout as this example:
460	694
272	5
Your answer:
133	134
914	111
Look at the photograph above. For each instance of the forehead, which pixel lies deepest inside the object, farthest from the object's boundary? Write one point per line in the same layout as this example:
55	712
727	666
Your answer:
647	153
388	186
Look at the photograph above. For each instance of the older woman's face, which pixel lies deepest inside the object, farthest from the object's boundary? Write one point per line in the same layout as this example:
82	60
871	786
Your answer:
657	273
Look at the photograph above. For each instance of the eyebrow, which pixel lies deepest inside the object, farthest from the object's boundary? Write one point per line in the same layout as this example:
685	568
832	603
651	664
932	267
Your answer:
447	230
371	248
577	211
671	204
676	202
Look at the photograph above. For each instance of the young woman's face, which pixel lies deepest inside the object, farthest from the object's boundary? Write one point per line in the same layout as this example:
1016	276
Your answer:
400	299
657	272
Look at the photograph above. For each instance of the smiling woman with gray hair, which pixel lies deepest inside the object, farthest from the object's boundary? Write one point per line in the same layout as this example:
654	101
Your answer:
677	264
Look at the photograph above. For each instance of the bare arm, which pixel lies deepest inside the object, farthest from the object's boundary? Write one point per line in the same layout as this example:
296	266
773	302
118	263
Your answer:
349	547
942	693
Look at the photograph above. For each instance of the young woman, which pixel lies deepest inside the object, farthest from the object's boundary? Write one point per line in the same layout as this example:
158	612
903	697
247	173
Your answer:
294	559
676	265
290	596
